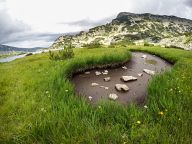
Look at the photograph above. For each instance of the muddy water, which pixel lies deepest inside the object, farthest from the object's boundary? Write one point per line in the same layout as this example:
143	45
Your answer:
137	91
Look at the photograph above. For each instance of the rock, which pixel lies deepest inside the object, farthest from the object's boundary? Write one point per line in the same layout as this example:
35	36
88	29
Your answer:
107	79
150	72
128	78
87	72
105	72
90	98
97	73
113	96
29	54
144	56
104	87
121	87
94	84
140	74
124	67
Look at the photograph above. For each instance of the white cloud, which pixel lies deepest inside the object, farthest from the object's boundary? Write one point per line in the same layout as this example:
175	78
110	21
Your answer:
60	16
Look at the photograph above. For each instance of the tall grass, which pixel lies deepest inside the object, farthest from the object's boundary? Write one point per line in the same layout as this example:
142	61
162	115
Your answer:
38	103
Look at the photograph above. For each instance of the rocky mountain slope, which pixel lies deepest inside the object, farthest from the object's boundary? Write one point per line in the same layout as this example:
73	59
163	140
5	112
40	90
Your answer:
139	29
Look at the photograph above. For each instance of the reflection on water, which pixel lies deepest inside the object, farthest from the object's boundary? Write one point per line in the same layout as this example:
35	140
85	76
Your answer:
151	61
11	58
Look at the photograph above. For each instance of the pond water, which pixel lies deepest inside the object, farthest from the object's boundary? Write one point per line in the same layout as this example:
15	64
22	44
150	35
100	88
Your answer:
137	89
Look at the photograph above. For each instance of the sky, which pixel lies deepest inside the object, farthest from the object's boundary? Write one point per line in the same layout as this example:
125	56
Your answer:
37	23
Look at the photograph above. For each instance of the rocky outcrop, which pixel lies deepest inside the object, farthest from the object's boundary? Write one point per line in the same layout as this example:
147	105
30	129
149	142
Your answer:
140	29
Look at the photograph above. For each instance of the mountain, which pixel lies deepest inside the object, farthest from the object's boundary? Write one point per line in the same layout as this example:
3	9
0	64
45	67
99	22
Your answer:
139	29
5	48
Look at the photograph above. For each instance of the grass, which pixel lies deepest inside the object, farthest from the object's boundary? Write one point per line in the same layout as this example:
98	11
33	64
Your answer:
38	103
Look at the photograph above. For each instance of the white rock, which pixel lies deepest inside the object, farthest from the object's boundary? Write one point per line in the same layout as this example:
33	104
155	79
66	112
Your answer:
128	78
144	56
97	73
107	79
106	71
90	98
124	67
150	72
94	84
121	87
140	74
113	96
106	88
87	72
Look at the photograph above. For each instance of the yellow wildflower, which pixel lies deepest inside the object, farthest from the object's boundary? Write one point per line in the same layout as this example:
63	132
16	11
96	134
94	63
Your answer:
138	122
161	113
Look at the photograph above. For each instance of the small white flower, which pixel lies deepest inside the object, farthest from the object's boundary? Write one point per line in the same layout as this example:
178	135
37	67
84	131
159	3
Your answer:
66	90
43	109
47	92
145	106
90	98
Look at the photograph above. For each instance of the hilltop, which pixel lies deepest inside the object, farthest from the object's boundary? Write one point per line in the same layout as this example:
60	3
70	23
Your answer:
138	29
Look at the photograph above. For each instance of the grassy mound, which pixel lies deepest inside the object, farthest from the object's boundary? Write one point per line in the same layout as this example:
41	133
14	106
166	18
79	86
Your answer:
38	103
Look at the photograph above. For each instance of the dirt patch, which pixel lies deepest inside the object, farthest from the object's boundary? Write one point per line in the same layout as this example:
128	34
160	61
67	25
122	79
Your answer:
95	88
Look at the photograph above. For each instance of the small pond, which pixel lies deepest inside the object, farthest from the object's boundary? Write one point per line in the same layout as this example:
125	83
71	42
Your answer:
85	82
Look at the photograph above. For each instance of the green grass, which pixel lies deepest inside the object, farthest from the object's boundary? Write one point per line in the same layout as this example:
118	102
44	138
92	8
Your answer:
38	103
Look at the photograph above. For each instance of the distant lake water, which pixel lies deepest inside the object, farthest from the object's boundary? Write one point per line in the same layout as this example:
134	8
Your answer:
11	58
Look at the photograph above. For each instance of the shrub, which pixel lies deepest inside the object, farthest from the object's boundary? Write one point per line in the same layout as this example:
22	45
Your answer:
66	53
93	45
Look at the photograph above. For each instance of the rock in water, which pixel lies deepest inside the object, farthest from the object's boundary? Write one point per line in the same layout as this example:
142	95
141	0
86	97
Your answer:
104	87
144	56
121	87
124	67
128	78
140	74
94	84
150	72
97	73
107	79
105	72
113	96
87	72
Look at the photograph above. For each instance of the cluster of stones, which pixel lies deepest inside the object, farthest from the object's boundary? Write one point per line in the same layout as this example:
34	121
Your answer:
119	87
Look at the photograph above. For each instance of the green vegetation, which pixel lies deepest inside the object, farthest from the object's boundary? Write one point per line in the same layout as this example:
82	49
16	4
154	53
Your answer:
93	45
38	103
66	53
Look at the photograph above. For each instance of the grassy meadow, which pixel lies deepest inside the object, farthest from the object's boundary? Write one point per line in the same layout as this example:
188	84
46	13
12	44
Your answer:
38	103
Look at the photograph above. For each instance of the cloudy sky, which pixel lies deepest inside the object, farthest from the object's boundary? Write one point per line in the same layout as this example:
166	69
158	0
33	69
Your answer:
37	23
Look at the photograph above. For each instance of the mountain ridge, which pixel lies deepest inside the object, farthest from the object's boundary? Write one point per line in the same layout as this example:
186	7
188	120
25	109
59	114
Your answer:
139	29
7	48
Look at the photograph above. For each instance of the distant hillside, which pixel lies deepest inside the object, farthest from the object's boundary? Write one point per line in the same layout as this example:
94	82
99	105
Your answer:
139	29
5	48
